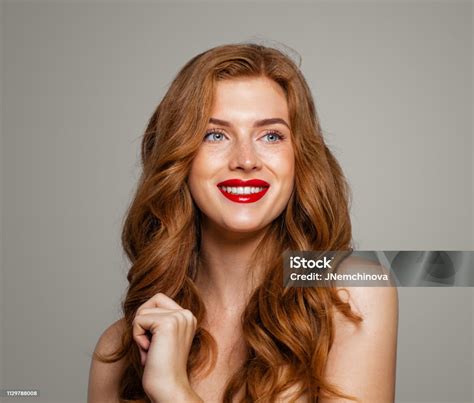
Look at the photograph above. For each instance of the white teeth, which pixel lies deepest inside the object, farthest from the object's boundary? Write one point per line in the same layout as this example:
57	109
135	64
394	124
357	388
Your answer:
242	190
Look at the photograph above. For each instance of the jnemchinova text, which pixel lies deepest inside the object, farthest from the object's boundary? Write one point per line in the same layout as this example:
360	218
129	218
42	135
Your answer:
338	276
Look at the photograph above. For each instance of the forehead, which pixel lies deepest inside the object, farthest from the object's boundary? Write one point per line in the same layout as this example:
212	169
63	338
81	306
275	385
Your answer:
259	97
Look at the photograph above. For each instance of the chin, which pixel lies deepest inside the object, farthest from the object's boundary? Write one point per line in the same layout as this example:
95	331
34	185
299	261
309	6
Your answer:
244	226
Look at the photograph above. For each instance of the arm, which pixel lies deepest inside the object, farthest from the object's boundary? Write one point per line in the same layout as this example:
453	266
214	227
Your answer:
362	360
104	379
164	332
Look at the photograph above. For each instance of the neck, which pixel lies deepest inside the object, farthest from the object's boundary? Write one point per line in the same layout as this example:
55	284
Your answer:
225	277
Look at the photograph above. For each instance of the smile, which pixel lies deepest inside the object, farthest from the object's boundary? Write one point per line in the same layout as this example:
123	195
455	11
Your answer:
240	191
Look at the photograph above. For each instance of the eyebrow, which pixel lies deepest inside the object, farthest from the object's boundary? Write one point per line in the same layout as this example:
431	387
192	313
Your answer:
258	123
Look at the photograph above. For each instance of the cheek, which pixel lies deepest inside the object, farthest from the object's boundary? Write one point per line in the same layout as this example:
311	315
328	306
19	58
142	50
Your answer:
283	164
287	169
195	174
290	181
200	174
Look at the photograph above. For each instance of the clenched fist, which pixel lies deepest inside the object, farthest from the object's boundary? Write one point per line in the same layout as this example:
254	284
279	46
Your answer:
165	352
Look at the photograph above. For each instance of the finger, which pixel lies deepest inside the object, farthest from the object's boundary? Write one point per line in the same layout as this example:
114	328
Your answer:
147	311
151	322
142	357
140	325
143	342
161	300
144	339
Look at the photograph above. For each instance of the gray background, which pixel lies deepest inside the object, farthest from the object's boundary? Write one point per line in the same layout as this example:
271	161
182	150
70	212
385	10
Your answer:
393	87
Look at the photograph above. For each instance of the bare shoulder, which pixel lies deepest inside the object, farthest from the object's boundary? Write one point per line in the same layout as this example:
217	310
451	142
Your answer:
362	360
371	302
104	378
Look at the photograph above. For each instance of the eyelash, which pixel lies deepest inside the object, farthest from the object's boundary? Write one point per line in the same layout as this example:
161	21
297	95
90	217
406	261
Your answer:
220	131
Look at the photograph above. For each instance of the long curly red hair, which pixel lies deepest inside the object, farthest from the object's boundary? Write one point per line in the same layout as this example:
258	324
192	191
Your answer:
289	328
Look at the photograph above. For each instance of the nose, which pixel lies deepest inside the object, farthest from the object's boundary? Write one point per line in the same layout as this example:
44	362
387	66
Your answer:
244	157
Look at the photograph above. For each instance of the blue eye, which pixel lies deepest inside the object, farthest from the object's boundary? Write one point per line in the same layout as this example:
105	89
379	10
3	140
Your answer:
214	136
273	137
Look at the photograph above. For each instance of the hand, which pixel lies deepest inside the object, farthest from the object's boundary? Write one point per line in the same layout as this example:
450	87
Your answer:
165	357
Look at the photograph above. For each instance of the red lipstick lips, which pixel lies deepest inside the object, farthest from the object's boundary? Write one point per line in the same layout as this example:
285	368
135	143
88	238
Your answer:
241	191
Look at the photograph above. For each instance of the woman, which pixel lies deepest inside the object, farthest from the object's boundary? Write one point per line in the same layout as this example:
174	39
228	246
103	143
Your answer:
235	173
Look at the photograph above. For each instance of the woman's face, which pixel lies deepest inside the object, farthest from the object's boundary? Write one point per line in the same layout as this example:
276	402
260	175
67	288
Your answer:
242	176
